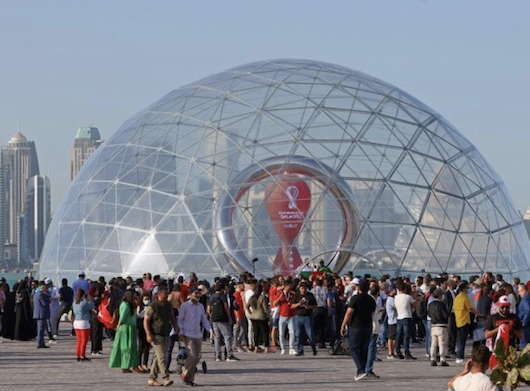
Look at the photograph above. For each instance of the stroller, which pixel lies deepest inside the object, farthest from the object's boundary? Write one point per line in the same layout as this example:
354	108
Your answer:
340	347
182	355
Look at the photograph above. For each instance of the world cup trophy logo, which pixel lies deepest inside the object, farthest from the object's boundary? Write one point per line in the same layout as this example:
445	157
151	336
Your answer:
288	201
292	194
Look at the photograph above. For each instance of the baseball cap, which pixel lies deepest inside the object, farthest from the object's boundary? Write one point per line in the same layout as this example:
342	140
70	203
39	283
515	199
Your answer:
356	281
47	281
504	302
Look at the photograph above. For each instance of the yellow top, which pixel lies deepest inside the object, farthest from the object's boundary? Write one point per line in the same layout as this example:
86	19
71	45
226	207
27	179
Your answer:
461	306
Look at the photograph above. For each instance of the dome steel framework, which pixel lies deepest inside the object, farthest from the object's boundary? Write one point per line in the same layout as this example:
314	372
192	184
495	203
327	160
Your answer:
424	197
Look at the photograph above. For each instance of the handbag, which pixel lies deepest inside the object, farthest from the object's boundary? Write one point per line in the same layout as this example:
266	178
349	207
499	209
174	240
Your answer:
115	320
479	333
70	316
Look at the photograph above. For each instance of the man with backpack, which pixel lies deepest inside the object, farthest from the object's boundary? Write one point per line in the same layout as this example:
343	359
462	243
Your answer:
158	319
219	313
439	317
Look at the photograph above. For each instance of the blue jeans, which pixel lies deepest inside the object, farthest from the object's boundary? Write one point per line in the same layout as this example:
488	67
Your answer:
223	330
372	351
461	337
403	335
427	325
332	325
383	334
358	342
303	326
289	323
41	329
526	337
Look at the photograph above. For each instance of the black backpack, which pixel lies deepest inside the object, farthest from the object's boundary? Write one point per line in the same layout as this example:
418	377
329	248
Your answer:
217	310
421	309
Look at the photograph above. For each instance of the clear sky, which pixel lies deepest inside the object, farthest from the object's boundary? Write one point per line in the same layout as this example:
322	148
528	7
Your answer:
66	64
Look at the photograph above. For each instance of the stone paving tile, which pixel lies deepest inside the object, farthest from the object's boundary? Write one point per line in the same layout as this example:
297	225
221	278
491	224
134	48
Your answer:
24	367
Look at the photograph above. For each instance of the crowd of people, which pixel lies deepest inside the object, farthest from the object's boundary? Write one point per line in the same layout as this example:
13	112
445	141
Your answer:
321	310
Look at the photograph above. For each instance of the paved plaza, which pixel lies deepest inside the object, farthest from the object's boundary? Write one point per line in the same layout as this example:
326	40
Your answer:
24	367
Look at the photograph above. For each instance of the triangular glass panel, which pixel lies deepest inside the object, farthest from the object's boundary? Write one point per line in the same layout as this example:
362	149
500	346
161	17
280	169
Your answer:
424	145
413	198
370	161
408	172
459	257
378	132
435	215
388	208
365	194
446	182
441	243
419	256
471	222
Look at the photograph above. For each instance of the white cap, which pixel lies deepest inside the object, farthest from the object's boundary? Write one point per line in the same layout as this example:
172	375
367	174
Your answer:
356	281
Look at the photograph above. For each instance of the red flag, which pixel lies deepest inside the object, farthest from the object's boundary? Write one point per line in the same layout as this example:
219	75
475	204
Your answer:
104	315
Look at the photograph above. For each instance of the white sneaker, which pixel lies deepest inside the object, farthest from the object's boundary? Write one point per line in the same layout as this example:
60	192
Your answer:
360	376
283	351
459	361
292	352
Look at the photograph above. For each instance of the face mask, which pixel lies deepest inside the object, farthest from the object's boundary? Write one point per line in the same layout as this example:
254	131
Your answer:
146	302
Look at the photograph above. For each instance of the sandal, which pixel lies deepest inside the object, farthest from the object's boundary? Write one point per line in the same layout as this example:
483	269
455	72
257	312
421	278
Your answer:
168	382
153	383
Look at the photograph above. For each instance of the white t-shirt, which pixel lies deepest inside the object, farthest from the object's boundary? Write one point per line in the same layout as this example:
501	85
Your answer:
248	294
403	304
473	382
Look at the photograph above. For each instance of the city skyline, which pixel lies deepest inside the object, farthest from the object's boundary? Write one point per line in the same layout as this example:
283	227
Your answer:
474	72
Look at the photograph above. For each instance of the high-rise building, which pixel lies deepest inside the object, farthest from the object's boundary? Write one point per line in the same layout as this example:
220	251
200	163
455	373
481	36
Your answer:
87	140
3	204
22	240
20	162
37	217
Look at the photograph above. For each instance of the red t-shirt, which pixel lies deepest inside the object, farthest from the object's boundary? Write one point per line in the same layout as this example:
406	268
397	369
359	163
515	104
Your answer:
285	304
240	313
185	291
273	295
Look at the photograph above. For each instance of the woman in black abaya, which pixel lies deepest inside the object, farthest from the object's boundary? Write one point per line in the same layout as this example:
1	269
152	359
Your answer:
24	323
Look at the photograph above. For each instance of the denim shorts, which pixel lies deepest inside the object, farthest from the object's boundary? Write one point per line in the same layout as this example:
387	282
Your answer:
275	322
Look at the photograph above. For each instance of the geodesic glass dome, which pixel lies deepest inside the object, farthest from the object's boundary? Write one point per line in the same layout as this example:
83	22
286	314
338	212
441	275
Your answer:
184	185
